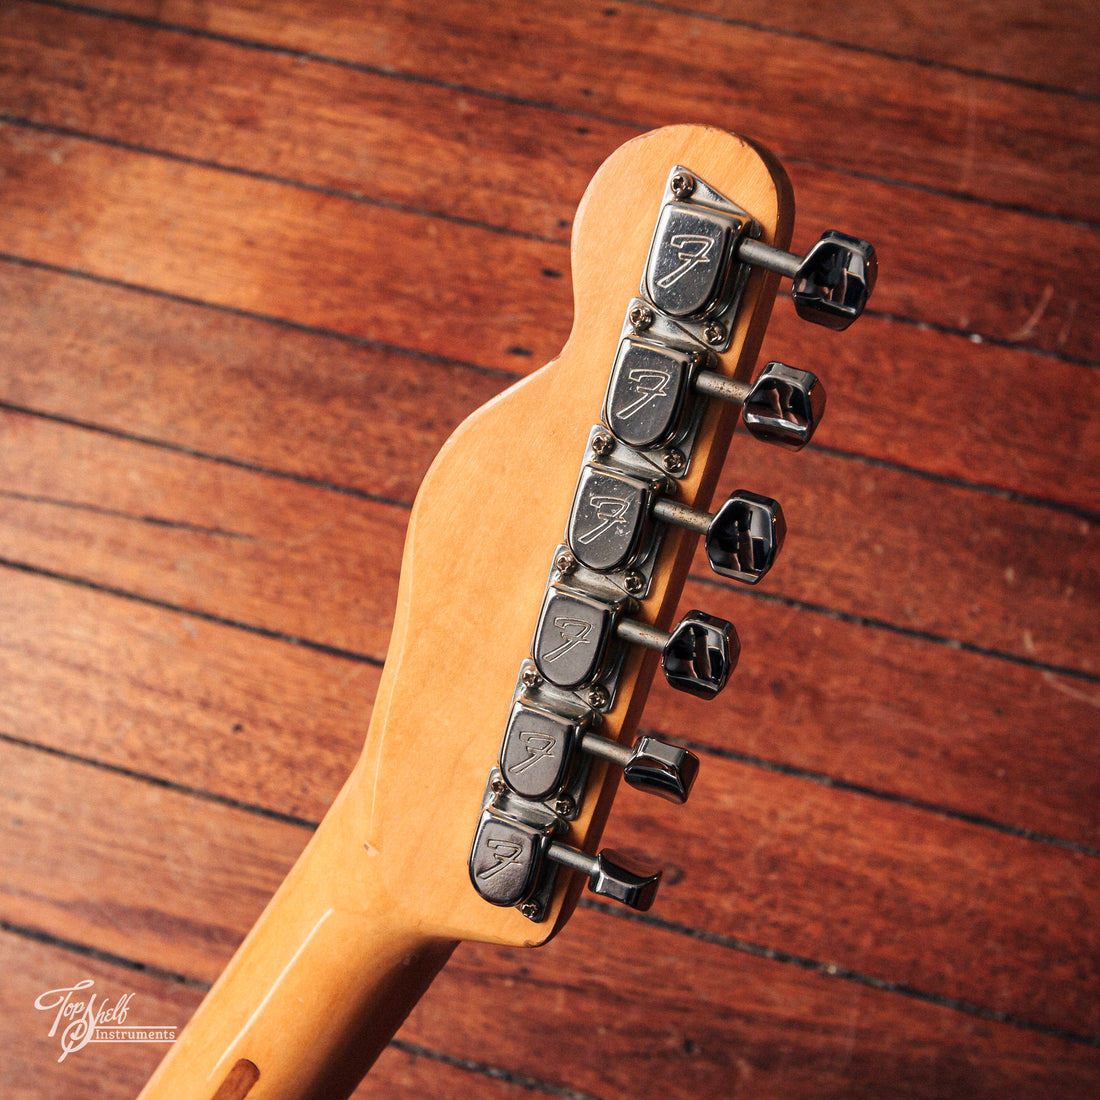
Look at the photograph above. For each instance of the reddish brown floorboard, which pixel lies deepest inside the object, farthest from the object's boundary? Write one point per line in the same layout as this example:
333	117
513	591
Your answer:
241	309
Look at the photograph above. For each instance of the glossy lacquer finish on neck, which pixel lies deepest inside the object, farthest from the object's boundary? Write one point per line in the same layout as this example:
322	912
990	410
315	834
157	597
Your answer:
382	893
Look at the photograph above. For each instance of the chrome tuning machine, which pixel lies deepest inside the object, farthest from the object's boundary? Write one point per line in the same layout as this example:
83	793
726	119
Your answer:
539	755
666	364
609	522
508	865
702	241
647	396
573	644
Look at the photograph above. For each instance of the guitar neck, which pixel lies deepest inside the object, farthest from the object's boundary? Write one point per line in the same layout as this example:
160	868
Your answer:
317	989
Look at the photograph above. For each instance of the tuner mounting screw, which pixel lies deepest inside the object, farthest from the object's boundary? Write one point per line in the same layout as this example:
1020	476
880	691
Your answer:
531	910
602	445
596	697
634	582
565	563
497	785
530	678
565	806
640	317
681	184
714	333
673	460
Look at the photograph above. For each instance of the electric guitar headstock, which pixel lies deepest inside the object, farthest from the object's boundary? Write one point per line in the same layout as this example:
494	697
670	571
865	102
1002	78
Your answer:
544	561
550	541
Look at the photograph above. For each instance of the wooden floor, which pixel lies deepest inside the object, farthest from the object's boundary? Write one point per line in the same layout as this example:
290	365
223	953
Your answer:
242	304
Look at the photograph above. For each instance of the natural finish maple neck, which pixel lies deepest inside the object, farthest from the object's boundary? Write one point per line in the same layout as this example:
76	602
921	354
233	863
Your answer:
318	987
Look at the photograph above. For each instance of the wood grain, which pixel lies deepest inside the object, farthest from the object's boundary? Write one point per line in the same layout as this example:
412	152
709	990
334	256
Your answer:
942	123
917	872
118	1070
801	675
1023	41
310	404
91	801
213	552
243	262
285	251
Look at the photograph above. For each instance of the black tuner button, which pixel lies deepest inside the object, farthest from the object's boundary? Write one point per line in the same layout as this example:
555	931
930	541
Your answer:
700	654
835	280
653	766
508	864
741	539
697	656
830	284
784	405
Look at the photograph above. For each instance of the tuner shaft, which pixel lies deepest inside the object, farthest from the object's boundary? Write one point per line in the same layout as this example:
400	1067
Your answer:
683	515
636	633
711	384
768	257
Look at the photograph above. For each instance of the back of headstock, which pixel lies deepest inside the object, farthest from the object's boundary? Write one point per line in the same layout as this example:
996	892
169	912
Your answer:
544	562
550	540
